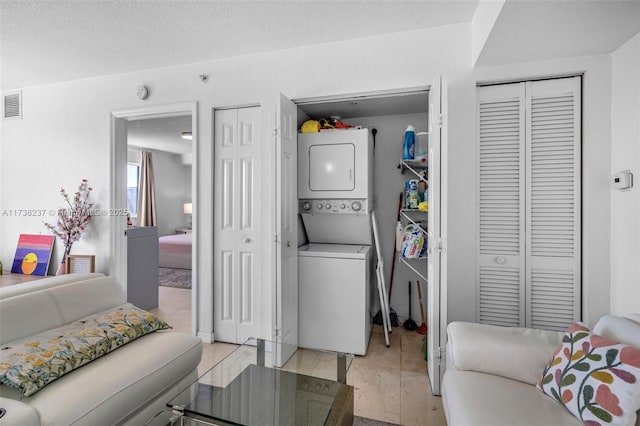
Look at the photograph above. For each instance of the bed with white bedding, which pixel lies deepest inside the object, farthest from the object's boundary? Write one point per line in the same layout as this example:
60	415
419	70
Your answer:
175	251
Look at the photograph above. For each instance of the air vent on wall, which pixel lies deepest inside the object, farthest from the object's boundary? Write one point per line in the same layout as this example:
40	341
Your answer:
13	104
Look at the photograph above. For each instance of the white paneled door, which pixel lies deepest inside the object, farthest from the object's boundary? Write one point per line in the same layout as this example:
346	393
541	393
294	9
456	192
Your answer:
286	240
237	258
529	191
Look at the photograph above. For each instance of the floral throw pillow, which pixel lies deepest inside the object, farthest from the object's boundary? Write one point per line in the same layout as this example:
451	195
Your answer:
596	379
30	364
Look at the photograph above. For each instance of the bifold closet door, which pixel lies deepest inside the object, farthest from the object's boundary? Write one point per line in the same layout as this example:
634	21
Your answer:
236	242
501	196
529	203
553	240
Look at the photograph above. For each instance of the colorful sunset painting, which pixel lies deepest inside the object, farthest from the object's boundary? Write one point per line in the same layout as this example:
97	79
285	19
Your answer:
33	254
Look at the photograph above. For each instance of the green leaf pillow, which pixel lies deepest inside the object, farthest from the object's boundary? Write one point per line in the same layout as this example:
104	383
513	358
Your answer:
596	379
32	363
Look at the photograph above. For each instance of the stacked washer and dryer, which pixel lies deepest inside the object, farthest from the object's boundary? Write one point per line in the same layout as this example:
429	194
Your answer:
335	195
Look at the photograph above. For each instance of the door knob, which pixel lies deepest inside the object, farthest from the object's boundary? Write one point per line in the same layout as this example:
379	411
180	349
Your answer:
288	243
246	240
500	260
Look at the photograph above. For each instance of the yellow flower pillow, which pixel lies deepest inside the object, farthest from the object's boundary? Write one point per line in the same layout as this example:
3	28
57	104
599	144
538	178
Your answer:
32	363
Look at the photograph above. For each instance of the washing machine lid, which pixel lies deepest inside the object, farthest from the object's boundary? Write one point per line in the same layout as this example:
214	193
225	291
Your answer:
342	251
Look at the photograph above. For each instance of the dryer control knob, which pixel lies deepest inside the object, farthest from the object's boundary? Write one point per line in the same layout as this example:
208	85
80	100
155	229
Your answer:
342	206
356	206
306	206
328	206
319	206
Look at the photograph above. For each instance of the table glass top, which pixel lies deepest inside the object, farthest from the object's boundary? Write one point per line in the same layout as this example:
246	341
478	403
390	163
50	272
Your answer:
252	387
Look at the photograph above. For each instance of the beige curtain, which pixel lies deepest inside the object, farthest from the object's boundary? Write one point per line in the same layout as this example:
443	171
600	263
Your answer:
146	192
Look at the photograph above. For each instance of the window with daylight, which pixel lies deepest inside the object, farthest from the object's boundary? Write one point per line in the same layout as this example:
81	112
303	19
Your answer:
133	175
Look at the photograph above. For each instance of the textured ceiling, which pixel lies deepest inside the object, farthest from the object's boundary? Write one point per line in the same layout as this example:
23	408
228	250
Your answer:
49	41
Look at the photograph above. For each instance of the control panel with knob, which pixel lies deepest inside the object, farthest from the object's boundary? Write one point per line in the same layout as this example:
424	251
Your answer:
333	206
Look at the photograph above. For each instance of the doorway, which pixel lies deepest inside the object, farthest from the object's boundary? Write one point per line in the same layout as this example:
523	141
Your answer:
155	122
166	144
390	113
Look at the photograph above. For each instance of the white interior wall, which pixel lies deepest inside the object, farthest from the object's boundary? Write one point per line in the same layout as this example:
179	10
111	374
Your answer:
67	144
596	164
52	147
482	23
625	155
173	187
170	180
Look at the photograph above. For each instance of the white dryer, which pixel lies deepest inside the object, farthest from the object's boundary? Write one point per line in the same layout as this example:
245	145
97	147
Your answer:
335	185
335	165
334	297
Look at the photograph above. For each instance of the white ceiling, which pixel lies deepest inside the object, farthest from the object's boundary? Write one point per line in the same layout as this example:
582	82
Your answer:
528	31
45	41
162	134
48	41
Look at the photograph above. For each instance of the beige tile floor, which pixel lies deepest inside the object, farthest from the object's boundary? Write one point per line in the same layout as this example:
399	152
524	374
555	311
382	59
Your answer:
390	384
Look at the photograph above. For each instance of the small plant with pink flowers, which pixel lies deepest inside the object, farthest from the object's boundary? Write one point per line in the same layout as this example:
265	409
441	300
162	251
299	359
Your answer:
73	218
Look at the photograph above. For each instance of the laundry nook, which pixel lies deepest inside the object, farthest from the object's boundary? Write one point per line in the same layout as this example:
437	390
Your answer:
335	187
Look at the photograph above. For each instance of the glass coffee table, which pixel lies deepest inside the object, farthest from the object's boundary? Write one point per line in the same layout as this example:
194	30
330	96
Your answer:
251	387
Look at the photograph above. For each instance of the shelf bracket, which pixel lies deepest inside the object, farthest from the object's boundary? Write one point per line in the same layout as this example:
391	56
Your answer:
406	216
420	274
404	164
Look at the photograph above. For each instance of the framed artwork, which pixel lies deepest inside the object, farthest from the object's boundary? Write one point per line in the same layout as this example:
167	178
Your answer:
80	263
33	254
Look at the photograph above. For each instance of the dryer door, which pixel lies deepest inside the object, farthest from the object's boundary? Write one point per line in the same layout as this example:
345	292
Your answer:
331	167
335	165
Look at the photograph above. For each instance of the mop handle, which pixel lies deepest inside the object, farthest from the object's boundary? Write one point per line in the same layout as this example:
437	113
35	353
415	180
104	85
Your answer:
420	297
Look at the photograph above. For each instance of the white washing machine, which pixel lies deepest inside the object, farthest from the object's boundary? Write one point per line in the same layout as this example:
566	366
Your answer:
334	297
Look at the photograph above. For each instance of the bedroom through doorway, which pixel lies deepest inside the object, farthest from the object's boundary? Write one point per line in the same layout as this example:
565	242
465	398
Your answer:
159	194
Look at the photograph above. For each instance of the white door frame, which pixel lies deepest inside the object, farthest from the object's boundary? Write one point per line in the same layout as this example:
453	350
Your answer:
118	179
442	294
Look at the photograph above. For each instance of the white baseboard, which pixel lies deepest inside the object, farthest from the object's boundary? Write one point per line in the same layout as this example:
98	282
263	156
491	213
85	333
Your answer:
206	337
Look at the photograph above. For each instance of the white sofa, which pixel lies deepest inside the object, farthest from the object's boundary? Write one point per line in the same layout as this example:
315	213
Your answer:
126	386
492	373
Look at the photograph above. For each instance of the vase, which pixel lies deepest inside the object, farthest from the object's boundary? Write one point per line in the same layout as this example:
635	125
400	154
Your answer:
62	269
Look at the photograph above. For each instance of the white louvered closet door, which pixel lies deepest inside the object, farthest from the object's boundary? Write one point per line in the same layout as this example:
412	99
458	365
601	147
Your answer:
501	204
553	199
529	203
